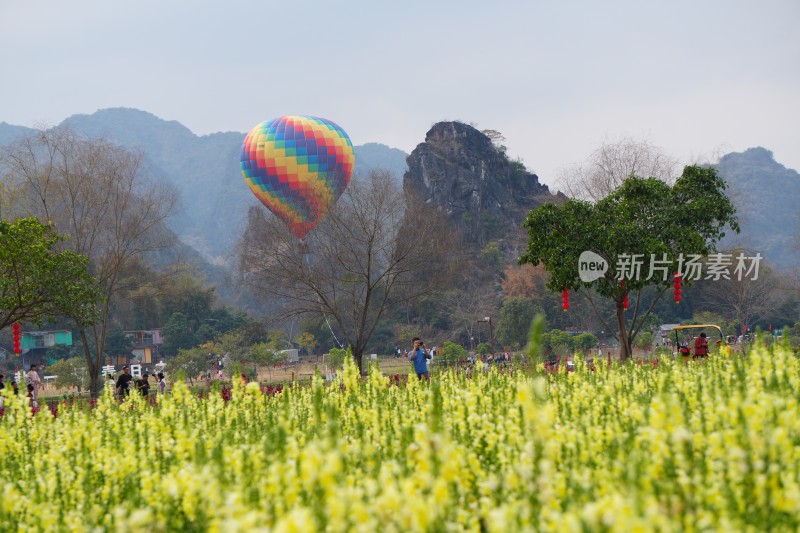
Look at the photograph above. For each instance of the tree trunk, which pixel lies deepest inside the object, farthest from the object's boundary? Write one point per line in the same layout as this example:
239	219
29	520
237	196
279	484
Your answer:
358	359
92	365
624	344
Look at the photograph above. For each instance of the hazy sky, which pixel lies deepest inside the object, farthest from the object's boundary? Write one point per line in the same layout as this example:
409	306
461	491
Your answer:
698	78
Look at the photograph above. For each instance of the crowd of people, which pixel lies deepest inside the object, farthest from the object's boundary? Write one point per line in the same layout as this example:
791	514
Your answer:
125	383
33	385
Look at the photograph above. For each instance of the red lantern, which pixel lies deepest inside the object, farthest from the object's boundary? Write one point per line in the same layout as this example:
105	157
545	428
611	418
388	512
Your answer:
16	328
677	284
625	302
565	299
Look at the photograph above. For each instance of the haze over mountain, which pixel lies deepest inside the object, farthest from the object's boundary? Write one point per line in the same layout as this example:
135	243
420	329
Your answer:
204	169
214	198
766	195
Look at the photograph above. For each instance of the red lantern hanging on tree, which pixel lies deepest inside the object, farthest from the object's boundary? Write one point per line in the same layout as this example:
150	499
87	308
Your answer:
565	300
17	334
625	302
677	285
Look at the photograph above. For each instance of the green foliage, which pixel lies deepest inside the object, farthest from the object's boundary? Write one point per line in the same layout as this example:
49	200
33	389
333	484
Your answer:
382	340
791	337
709	317
276	339
662	351
191	362
234	344
178	334
483	348
492	256
117	343
71	372
306	340
518	173
515	320
585	342
336	356
644	340
62	351
37	281
263	354
643	216
187	295
557	341
451	352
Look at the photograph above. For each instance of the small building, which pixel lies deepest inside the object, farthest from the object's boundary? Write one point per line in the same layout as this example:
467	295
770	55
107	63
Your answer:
145	344
665	329
32	340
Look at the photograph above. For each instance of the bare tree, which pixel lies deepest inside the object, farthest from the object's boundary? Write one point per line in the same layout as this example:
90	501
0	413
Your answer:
611	164
375	248
745	301
96	193
468	305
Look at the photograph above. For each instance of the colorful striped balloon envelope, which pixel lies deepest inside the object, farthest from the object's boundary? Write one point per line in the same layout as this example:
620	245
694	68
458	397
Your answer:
298	167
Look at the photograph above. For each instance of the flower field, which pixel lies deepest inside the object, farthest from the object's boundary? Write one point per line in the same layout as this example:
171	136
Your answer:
676	447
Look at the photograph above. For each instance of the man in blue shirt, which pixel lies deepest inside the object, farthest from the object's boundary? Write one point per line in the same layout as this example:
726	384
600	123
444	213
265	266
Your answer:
419	357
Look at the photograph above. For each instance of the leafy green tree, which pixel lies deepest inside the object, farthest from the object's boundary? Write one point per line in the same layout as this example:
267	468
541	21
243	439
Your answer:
70	372
644	341
187	295
191	362
307	341
234	344
515	321
491	255
62	351
642	216
483	348
558	341
336	356
585	342
263	354
791	337
178	334
117	343
276	339
37	281
225	319
451	352
97	192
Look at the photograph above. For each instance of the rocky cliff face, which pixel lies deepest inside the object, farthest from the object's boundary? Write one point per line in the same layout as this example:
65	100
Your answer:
486	195
765	194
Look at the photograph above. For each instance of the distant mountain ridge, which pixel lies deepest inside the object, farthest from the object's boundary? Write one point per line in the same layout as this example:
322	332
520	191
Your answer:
766	196
205	170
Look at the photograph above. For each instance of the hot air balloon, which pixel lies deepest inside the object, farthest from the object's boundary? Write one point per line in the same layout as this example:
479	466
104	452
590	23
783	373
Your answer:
298	166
